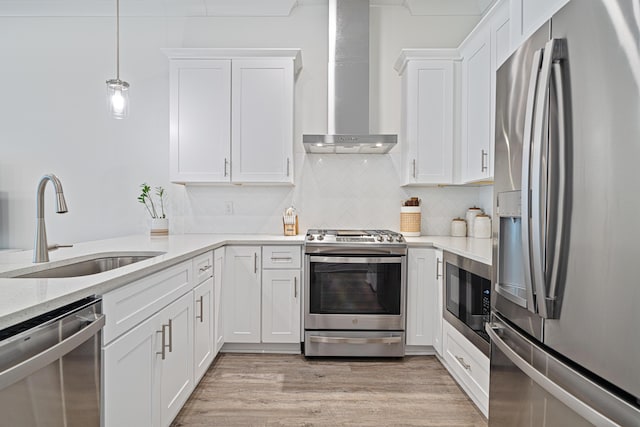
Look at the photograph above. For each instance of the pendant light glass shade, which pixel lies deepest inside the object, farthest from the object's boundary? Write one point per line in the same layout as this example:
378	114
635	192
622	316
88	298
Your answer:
118	98
118	90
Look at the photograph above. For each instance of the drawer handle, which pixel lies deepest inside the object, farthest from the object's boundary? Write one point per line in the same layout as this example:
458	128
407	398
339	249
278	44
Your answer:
205	268
281	259
200	317
462	362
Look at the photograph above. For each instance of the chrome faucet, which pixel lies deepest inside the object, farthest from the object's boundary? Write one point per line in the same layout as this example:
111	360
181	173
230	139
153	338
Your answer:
41	249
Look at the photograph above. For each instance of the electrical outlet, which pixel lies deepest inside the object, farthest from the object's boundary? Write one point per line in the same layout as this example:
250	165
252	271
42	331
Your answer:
228	208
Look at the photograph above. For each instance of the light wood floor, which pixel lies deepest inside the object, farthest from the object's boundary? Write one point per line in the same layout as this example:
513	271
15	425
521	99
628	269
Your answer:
289	390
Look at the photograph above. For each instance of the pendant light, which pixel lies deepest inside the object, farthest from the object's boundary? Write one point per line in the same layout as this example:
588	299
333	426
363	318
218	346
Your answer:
118	90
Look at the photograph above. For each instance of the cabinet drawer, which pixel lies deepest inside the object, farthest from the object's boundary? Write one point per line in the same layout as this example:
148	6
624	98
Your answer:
129	305
203	267
470	365
283	257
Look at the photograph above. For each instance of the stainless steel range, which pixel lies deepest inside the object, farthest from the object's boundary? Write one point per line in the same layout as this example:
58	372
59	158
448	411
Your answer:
355	283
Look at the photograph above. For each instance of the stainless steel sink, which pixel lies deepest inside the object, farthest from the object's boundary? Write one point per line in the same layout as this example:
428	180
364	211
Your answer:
86	267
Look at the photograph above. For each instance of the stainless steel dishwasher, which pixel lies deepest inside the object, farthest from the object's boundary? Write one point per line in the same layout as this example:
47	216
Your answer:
50	368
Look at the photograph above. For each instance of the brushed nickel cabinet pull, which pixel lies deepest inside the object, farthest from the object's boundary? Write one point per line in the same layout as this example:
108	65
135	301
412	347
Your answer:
438	268
255	263
414	168
484	165
288	161
201	301
170	325
164	342
226	162
462	362
295	287
205	268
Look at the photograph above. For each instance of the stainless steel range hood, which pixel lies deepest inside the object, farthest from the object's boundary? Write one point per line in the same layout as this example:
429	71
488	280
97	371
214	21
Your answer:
348	94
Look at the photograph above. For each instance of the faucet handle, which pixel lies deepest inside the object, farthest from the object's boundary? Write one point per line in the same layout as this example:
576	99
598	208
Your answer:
55	246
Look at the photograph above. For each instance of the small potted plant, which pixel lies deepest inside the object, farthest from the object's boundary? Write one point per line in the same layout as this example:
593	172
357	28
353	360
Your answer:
159	221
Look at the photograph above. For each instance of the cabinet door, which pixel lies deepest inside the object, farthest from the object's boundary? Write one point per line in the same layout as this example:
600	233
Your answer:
437	334
262	124
421	296
129	378
175	370
281	306
204	344
530	15
242	294
476	114
501	34
200	120
218	280
429	122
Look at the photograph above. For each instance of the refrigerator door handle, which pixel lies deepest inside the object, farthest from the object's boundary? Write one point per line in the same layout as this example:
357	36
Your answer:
526	181
559	189
577	405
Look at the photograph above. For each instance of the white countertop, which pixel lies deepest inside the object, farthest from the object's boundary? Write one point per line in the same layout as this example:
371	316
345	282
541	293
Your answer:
22	299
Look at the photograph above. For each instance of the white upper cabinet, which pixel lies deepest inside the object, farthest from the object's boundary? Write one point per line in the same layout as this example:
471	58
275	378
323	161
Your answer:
476	107
200	124
427	115
262	120
232	115
528	15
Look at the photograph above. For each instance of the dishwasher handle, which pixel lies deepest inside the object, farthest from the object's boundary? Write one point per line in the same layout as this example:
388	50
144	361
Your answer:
27	367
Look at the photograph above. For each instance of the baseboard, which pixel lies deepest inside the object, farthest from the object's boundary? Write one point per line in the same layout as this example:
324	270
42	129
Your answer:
290	348
419	350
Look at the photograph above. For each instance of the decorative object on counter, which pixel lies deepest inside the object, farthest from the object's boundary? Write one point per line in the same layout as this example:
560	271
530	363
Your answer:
471	216
290	221
458	227
159	220
411	217
118	90
482	226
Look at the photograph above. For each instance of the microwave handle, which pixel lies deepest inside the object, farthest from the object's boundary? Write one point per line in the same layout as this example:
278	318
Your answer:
526	179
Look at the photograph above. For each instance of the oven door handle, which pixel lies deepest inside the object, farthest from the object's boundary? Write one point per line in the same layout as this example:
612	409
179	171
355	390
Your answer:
356	260
346	340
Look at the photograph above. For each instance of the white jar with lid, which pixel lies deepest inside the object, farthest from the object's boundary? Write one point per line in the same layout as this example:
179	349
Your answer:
471	216
482	226
458	227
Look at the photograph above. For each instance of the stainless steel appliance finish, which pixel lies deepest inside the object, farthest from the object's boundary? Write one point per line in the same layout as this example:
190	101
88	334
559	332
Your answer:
567	133
348	85
355	293
50	368
467	301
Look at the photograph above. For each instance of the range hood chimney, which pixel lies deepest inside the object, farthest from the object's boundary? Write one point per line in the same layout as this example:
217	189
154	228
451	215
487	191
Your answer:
348	94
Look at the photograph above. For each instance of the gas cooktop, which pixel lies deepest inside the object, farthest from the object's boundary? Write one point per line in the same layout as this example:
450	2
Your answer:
377	237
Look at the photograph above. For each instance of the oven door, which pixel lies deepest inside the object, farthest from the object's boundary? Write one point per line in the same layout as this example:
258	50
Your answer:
355	292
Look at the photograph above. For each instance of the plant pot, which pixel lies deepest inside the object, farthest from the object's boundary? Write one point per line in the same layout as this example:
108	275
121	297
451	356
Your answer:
159	227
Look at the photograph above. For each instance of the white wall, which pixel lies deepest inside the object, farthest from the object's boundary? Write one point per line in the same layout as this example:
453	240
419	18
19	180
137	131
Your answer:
53	119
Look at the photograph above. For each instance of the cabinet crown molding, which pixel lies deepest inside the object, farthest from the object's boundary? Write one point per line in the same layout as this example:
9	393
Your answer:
407	55
236	53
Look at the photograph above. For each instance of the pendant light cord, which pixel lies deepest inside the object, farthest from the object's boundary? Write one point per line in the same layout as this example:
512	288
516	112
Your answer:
118	40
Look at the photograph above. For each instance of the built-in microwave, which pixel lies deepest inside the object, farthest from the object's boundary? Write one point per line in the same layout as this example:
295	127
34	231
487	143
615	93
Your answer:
467	304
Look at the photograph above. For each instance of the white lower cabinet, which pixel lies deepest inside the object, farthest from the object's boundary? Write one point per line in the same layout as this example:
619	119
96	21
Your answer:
421	297
203	328
218	268
281	306
439	292
148	372
468	365
241	294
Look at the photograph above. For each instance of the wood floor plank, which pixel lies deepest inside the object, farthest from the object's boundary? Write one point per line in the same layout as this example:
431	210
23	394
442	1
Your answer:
289	390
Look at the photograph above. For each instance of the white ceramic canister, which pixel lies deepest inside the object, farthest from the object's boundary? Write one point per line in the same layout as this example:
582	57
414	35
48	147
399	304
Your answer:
458	227
482	226
471	216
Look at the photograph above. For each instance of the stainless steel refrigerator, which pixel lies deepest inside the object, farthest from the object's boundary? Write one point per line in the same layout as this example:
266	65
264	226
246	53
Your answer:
565	325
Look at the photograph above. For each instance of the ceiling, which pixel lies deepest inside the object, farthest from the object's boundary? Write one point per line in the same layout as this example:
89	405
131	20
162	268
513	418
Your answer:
220	7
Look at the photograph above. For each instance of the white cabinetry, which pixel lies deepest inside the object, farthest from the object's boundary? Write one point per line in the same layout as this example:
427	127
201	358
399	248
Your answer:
242	294
204	316
261	296
231	115
528	15
427	114
421	297
281	288
476	107
218	268
148	371
468	365
439	292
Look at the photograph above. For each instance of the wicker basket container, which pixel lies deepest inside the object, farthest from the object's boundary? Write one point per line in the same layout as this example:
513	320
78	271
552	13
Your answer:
410	220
